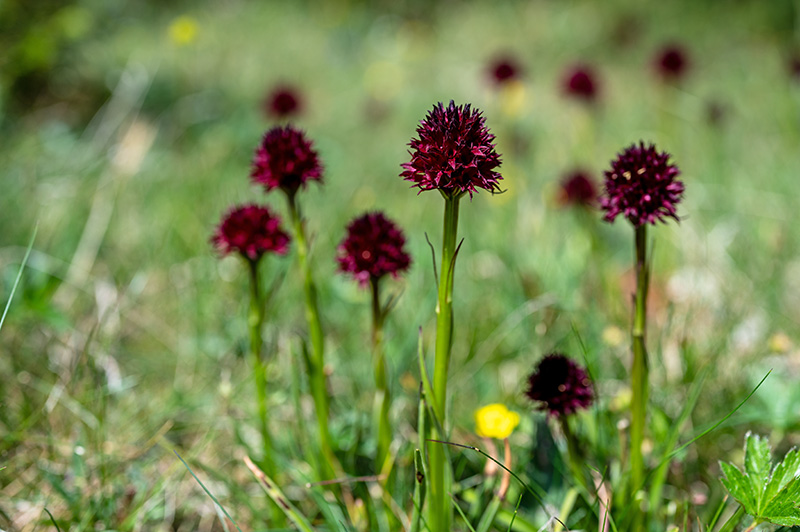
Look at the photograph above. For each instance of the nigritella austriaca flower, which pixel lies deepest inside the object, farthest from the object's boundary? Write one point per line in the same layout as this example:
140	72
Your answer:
561	388
642	185
373	248
252	231
285	160
453	153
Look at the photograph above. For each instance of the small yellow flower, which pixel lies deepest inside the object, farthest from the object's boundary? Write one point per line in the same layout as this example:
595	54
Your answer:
513	98
613	336
495	421
183	30
780	343
621	400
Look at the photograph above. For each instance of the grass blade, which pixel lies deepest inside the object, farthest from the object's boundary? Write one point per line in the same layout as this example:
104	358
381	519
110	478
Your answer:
19	276
720	422
487	519
660	475
52	519
207	492
710	429
538	493
461	512
714	520
514	515
271	489
419	491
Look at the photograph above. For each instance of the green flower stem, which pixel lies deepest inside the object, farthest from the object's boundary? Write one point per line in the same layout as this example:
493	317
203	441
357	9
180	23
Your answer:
315	362
575	456
255	321
639	371
383	400
440	470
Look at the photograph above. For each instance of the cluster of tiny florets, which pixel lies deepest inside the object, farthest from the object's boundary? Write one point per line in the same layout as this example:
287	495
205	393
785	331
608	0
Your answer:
642	185
581	82
560	386
251	231
578	189
283	102
794	66
671	62
373	247
285	159
454	152
503	70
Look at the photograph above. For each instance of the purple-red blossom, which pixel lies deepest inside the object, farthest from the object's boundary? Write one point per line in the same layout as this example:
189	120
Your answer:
285	159
642	185
580	82
560	386
671	62
577	188
373	247
283	102
251	231
503	70
794	66
454	152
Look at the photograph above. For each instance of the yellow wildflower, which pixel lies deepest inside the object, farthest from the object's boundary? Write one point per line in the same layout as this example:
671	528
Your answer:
613	336
183	30
780	343
495	421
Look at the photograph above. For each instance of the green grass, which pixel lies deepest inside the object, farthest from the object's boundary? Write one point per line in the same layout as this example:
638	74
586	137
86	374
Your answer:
126	338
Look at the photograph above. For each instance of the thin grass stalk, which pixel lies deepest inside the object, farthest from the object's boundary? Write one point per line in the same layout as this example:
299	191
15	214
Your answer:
703	433
567	504
659	475
19	274
383	400
490	512
639	371
419	486
316	361
52	519
440	511
224	511
275	494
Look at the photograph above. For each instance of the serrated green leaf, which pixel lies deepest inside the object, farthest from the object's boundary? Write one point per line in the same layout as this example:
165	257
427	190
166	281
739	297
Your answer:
784	509
783	473
767	496
739	486
757	465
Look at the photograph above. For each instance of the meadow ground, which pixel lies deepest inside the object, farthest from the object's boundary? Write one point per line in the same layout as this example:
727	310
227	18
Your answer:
127	336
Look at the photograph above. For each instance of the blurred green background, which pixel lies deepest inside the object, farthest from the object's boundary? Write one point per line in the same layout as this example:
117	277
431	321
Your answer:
128	128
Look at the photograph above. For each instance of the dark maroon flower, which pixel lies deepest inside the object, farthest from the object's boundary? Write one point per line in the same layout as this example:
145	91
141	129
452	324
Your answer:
715	113
580	82
642	185
671	62
561	386
577	188
794	66
285	160
373	247
251	231
283	102
454	152
503	70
